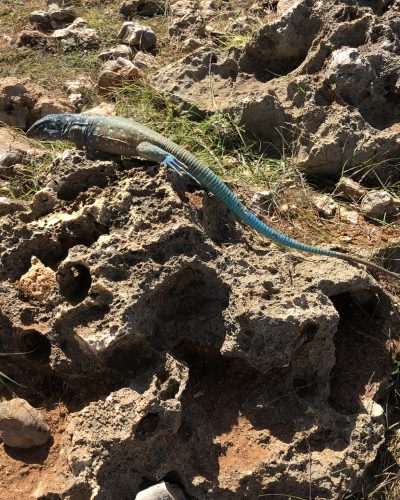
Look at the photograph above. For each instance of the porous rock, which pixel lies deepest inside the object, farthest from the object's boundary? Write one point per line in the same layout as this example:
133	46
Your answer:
130	8
32	38
326	70
138	36
378	204
14	148
21	425
10	206
22	102
117	73
116	52
207	342
186	20
78	34
350	190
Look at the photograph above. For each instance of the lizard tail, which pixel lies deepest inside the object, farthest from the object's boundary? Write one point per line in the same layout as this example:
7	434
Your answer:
195	168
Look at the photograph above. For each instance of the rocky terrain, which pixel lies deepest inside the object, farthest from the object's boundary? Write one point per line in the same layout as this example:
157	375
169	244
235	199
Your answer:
151	346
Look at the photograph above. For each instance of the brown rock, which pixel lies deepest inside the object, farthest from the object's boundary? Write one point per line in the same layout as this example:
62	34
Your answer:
350	190
138	36
21	425
78	34
14	148
378	204
130	8
144	61
31	38
22	102
38	282
117	73
10	206
115	52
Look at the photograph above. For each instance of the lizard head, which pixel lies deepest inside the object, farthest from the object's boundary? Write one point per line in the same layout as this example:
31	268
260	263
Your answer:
51	127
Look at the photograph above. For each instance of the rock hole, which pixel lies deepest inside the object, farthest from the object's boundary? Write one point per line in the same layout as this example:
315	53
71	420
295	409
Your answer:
36	345
309	330
147	425
187	305
362	358
74	282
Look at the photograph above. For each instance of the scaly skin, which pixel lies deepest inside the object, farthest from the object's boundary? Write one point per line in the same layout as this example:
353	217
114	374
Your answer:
124	137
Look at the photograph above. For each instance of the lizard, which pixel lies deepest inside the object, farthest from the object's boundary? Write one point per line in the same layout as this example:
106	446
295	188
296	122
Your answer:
123	137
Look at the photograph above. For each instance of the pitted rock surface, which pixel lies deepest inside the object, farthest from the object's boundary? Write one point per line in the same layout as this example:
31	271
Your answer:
329	69
220	361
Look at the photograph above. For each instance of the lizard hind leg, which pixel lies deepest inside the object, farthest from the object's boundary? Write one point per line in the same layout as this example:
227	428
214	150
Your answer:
154	153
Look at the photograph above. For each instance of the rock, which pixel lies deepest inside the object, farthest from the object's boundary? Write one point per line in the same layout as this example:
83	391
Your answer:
350	190
378	204
60	17
38	282
130	8
350	216
43	202
55	17
21	425
326	205
32	38
186	20
40	19
264	335
104	108
161	491
138	36
144	61
117	73
116	52
10	206
78	34
5	41
14	148
22	102
346	116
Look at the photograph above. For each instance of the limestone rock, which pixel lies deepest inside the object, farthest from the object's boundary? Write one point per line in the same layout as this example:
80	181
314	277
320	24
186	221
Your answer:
22	102
31	38
38	282
187	20
130	8
117	73
104	108
10	206
144	61
78	34
138	36
378	204
43	202
350	189
21	425
14	149
325	205
123	51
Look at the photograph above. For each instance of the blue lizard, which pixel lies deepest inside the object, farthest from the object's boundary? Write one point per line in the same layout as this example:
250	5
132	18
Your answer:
124	137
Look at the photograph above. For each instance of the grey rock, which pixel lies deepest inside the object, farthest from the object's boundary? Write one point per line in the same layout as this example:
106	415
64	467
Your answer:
378	204
32	38
21	425
10	206
130	8
325	205
186	20
116	52
144	61
350	190
43	202
78	34
138	36
161	491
